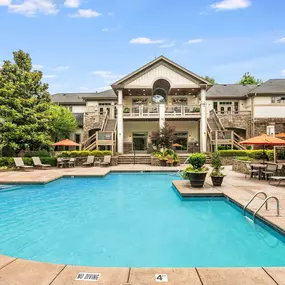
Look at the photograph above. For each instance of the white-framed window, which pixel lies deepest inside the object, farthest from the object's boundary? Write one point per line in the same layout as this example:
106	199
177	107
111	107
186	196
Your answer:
278	99
270	130
70	108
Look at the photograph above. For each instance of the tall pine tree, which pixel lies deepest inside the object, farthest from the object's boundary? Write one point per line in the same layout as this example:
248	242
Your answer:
24	102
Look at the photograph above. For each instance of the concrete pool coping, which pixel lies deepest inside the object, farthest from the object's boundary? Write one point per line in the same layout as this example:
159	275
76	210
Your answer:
235	188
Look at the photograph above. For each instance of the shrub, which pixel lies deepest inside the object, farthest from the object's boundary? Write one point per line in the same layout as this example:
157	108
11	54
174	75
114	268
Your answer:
245	158
255	154
9	161
40	153
217	165
197	161
84	153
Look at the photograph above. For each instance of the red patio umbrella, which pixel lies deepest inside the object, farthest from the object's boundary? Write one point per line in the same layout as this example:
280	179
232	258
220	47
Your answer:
68	142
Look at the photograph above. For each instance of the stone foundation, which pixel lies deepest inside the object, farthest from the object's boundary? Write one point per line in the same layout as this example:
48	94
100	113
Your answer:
261	124
128	148
155	161
240	165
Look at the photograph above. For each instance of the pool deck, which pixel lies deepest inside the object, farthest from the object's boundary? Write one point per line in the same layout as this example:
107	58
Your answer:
15	271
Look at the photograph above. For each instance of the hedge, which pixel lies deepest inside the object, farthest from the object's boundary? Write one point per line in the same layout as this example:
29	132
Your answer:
84	153
39	153
255	154
9	161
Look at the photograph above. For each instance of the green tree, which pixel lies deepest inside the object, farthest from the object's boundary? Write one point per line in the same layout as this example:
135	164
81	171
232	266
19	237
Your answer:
63	122
210	79
163	138
24	102
247	78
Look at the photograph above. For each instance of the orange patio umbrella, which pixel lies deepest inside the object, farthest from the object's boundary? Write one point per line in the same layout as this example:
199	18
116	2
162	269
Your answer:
264	140
281	135
68	142
177	145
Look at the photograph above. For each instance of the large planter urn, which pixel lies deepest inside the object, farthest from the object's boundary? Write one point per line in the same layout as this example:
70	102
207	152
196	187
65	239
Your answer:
217	180
197	179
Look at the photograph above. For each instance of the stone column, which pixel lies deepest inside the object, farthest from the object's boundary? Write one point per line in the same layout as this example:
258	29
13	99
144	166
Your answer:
120	122
161	115
203	121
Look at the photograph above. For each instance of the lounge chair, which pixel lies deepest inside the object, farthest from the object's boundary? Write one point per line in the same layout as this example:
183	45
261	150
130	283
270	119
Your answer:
251	172
90	161
60	162
20	164
37	163
270	170
107	160
278	179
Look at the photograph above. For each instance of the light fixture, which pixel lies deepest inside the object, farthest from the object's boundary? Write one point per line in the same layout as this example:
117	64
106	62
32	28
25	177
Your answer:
144	90
175	93
129	90
178	89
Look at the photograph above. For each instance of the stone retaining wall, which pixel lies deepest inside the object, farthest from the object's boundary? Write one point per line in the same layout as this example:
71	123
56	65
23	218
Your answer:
81	160
240	165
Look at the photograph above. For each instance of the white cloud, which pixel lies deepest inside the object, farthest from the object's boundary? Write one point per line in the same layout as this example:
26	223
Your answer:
81	13
63	67
5	2
32	7
145	41
72	3
194	41
49	76
282	40
107	74
169	45
231	4
38	66
84	88
283	72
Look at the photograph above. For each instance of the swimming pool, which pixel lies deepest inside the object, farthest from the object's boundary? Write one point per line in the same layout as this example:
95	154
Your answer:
131	220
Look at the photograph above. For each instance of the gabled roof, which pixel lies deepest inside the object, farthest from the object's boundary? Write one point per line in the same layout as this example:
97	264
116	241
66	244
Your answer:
229	91
80	98
155	61
272	86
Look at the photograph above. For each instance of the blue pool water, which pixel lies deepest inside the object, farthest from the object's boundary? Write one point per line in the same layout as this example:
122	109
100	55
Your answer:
135	220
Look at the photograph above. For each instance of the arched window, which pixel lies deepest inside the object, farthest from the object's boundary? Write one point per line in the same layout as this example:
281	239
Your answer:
160	89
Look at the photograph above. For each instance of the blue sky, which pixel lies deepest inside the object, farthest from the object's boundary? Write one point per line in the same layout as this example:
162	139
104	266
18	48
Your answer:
85	45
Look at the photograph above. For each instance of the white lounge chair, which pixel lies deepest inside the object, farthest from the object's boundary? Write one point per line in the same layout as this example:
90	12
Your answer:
37	163
90	161
278	179
107	160
20	164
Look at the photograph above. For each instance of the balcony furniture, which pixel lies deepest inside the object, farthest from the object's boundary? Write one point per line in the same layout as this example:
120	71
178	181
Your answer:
269	171
250	171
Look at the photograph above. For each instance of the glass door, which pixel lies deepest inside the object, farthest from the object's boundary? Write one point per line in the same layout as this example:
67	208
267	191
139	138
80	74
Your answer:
140	141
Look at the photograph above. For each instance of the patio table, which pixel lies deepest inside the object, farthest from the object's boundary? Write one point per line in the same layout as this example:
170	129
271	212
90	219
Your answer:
260	167
65	161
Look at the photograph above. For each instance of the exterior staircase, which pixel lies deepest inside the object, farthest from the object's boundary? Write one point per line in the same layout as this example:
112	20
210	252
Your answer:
110	125
219	135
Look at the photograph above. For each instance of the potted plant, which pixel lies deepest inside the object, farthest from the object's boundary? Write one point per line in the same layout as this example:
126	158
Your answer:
217	176
196	172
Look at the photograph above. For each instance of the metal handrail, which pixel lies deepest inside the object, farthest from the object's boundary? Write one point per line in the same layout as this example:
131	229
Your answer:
265	195
277	204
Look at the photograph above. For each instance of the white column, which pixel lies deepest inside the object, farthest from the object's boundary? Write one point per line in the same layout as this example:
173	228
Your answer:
120	122
161	115
203	122
112	112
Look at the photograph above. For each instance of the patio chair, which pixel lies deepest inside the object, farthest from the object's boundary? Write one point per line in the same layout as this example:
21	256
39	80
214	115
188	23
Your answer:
60	162
107	160
251	172
20	164
269	171
89	161
71	162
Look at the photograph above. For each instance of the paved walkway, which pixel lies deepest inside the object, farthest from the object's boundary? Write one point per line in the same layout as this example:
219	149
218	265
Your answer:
22	272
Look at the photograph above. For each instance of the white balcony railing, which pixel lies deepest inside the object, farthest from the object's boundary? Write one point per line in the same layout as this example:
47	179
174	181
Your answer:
143	111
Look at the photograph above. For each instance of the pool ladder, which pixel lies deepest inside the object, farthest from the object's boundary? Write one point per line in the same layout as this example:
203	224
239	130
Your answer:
265	202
